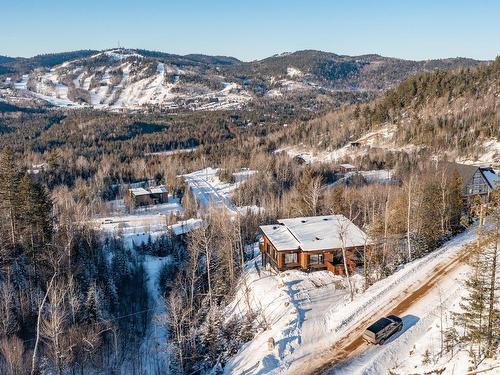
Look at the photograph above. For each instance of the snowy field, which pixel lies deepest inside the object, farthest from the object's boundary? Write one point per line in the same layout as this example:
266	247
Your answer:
139	225
308	313
381	138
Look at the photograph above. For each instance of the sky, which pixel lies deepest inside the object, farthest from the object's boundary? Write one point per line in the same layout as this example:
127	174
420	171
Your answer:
254	29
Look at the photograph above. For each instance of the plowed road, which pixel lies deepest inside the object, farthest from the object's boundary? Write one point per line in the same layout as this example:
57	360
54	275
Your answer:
352	343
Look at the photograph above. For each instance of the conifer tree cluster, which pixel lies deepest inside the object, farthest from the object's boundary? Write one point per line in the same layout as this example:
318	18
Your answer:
59	295
480	314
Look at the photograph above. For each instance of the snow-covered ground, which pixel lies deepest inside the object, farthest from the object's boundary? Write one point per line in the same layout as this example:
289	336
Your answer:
139	225
405	352
489	154
125	80
155	357
308	313
143	223
291	305
171	152
379	176
209	190
380	138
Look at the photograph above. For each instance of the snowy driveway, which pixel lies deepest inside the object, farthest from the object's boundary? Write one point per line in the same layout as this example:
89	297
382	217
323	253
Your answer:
320	326
205	194
416	301
209	190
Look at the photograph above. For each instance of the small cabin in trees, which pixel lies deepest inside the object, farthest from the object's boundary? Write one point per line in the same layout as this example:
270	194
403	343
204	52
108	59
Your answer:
313	243
476	180
145	197
299	159
347	168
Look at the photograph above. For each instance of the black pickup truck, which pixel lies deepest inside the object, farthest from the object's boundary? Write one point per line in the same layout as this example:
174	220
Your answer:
382	329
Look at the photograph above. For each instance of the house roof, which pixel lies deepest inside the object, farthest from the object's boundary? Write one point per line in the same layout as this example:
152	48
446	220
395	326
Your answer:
281	237
154	190
158	189
492	178
315	233
139	191
464	170
467	172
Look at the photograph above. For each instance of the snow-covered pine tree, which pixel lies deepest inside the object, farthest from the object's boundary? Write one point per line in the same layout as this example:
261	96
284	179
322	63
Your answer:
492	258
474	306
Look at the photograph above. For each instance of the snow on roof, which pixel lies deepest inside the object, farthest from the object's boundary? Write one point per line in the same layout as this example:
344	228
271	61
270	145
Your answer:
186	226
154	190
158	189
281	237
492	177
315	233
348	166
139	191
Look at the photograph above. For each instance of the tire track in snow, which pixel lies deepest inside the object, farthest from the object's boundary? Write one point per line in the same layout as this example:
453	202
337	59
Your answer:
352	343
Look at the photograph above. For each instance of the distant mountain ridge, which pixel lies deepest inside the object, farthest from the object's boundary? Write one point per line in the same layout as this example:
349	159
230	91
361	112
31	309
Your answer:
138	79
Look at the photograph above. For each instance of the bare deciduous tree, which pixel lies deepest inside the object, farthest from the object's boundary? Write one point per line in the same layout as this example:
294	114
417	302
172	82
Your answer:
12	350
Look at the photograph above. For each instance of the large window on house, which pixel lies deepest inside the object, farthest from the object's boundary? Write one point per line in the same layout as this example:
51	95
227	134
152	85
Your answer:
315	259
291	258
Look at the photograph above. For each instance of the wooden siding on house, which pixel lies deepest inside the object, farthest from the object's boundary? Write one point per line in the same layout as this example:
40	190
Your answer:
477	184
148	199
304	260
332	259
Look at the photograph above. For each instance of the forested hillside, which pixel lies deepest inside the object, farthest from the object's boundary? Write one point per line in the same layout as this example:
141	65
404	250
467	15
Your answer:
60	298
444	111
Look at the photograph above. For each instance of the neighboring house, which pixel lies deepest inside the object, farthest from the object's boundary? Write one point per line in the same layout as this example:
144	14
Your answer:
313	243
144	197
476	180
492	178
347	168
37	168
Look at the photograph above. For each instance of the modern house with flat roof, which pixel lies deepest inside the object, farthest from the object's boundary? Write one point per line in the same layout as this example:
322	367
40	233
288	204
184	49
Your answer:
313	243
144	197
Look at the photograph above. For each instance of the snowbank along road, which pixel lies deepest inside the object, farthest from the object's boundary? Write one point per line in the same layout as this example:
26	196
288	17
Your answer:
340	358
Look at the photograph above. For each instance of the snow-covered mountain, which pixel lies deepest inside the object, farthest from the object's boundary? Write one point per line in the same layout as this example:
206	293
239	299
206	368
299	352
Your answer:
135	79
126	79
